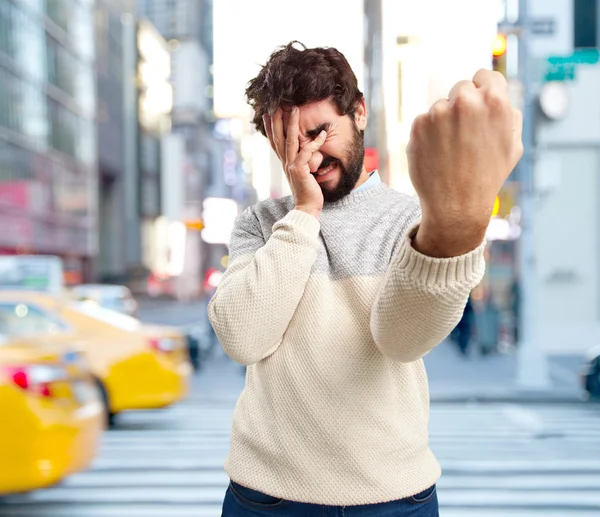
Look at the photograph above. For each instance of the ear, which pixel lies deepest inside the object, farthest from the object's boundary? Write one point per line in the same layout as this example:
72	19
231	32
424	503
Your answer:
360	114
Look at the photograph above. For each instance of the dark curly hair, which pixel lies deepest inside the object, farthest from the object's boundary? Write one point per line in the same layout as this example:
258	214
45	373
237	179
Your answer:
295	77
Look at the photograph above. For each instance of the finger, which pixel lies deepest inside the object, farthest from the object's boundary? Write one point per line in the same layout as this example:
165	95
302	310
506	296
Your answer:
517	136
309	149
291	140
277	129
517	123
460	90
315	161
438	108
490	80
269	130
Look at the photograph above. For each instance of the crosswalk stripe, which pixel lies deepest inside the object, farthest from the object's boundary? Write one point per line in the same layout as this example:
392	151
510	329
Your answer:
217	477
117	510
130	495
569	500
498	460
150	478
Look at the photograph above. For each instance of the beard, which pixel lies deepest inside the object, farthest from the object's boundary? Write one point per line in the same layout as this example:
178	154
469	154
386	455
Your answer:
350	169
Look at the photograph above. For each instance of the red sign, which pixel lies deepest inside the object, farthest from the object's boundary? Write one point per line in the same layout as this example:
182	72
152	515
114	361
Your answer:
371	159
15	193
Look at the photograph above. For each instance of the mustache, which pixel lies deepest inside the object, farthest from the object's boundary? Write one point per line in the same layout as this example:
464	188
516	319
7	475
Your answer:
327	161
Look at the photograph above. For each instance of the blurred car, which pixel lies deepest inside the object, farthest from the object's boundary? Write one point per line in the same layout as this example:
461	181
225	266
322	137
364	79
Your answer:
590	376
51	415
115	297
136	366
32	273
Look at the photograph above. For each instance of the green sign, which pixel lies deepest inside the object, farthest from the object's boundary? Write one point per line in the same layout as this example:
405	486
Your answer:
563	68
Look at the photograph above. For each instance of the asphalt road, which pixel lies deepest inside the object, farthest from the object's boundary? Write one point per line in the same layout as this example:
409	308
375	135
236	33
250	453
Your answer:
499	460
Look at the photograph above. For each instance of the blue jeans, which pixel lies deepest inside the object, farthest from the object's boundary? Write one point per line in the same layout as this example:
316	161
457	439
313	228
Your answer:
244	502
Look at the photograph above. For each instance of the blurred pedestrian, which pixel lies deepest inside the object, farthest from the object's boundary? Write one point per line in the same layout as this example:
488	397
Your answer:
488	328
465	328
334	294
515	306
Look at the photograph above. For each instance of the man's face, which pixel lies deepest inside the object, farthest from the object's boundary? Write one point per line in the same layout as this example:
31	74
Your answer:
338	165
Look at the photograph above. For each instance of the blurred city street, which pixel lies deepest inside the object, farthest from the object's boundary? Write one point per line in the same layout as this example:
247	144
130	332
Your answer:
451	376
150	157
500	458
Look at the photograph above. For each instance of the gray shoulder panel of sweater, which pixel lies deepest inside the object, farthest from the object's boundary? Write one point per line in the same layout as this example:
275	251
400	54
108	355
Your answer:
359	235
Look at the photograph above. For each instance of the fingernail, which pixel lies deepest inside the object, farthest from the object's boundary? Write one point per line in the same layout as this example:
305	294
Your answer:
294	109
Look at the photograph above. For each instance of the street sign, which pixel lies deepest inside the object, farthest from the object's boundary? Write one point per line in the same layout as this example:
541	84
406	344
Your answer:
563	68
543	26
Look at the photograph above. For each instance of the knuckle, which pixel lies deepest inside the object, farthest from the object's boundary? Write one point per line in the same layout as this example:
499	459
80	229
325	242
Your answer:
496	101
438	110
464	102
439	107
499	77
483	72
418	125
304	153
312	147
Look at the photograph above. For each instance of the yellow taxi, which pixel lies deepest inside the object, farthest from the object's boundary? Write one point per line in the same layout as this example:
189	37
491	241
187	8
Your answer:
51	415
136	366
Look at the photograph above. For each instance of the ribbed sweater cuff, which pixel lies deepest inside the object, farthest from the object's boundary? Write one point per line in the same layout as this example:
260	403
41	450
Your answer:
440	273
301	221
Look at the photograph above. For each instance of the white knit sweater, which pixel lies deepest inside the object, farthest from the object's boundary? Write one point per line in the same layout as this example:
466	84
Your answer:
333	318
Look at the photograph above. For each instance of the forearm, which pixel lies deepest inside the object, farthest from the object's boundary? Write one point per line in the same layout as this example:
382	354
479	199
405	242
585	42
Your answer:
259	293
421	300
450	239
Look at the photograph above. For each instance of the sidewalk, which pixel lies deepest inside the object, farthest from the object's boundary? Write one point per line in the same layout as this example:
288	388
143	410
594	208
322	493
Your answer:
453	378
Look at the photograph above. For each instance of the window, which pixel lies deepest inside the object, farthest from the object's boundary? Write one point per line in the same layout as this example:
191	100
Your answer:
23	319
34	122
82	30
58	12
30	42
62	66
6	44
4	101
37	6
66	130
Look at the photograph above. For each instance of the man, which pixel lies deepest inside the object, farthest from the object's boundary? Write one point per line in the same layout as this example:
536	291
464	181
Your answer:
333	295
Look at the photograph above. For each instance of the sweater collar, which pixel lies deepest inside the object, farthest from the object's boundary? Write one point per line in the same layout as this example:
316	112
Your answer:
357	196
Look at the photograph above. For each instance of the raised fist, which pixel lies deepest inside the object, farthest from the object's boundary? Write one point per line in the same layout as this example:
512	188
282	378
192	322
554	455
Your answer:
460	154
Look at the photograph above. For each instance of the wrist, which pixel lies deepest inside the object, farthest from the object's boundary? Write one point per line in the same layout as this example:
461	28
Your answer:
449	240
315	212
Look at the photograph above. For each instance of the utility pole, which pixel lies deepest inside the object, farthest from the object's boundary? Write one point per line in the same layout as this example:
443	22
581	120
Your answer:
376	137
533	370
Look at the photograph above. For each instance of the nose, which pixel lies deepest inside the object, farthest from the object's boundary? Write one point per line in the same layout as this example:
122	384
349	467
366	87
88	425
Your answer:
315	162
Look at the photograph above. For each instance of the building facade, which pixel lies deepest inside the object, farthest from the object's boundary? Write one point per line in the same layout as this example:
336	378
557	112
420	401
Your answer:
111	264
187	27
48	153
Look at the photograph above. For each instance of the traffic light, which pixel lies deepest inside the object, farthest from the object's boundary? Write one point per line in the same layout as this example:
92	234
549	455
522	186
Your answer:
499	54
